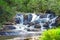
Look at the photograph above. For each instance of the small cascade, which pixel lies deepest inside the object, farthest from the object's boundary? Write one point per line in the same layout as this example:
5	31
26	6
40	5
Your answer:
29	17
48	15
19	19
52	21
42	28
32	19
35	18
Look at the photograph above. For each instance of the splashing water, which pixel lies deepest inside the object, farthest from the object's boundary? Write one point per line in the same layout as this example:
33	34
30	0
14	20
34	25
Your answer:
32	18
19	18
52	21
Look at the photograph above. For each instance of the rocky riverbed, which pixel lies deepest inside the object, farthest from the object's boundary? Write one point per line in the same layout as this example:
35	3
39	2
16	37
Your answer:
27	36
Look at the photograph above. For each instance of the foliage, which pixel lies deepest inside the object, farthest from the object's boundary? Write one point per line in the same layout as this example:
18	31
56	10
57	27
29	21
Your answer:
53	34
35	5
6	12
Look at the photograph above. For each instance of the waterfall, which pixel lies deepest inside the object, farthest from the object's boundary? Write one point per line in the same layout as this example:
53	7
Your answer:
29	17
48	18
19	18
48	15
33	17
42	28
52	21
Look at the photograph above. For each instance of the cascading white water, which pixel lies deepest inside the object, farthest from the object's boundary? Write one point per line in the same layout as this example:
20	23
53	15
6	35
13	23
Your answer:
52	21
32	18
20	18
20	25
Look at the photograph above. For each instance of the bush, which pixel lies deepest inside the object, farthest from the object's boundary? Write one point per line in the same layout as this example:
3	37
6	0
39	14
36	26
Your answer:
53	34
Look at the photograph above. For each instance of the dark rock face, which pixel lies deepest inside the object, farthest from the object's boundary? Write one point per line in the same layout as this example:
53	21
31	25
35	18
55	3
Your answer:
37	26
46	25
58	21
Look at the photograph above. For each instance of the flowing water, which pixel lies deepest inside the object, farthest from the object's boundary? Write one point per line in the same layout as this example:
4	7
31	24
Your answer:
22	29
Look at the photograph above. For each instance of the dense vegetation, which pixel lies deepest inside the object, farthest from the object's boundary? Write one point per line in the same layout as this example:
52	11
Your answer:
8	8
53	34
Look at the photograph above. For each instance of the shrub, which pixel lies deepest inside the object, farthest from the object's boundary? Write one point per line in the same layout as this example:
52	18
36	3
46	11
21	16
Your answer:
53	34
